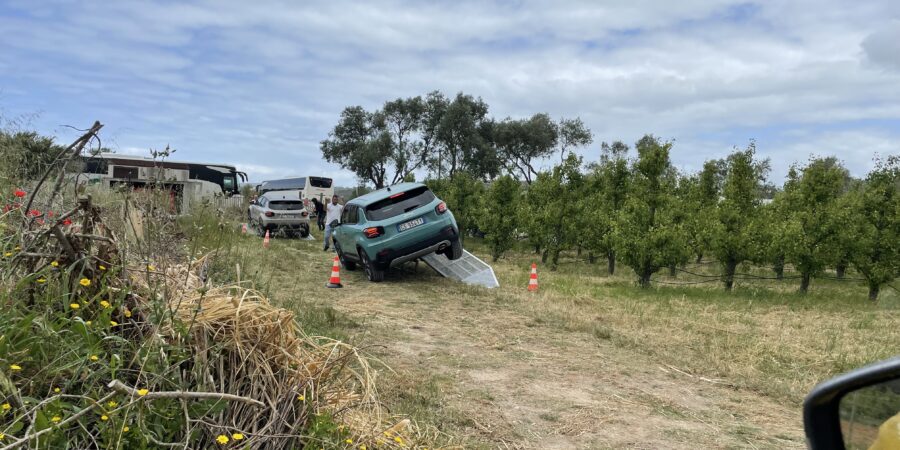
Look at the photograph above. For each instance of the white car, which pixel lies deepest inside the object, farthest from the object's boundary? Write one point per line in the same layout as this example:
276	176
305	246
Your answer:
279	211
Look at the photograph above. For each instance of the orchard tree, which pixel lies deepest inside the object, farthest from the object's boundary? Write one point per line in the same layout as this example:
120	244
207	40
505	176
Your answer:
464	195
877	218
647	237
26	154
498	218
701	197
611	180
811	228
551	208
734	237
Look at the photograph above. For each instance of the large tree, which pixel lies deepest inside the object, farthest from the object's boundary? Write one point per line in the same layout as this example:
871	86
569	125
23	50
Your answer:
458	135
734	238
572	133
522	143
811	228
646	233
606	189
553	207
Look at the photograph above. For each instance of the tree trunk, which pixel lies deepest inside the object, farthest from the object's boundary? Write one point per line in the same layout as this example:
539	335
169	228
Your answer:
873	292
804	283
544	256
840	269
555	259
699	257
578	251
673	271
779	267
645	278
591	258
537	249
728	278
611	262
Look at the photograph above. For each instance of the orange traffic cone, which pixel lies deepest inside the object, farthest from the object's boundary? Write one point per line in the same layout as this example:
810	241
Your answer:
335	281
532	283
266	240
243	228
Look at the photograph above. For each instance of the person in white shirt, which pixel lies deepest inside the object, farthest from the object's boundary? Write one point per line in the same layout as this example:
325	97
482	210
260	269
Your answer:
332	217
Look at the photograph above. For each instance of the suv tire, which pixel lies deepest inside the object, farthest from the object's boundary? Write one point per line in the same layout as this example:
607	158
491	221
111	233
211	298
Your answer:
372	273
304	231
454	251
347	264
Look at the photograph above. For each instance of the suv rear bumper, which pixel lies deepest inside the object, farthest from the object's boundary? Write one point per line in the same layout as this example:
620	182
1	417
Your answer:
392	257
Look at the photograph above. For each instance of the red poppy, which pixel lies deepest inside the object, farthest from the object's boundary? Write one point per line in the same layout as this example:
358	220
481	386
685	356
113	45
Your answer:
40	221
50	214
34	213
19	193
67	222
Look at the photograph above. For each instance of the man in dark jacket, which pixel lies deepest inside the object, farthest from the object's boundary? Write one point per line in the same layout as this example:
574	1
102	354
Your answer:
320	213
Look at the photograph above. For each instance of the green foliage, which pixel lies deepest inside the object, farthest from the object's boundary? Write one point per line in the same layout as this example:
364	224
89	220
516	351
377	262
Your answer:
811	228
553	201
647	236
734	236
875	225
521	142
606	188
464	195
26	155
498	218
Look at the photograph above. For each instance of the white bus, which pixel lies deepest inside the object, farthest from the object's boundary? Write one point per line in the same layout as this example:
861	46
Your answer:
309	187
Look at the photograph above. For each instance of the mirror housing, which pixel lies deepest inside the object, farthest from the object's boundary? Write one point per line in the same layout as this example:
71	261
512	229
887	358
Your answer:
821	408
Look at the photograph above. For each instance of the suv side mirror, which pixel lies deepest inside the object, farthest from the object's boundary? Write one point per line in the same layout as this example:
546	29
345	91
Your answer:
859	409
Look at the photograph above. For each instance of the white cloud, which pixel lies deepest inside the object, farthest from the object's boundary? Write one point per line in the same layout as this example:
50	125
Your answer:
242	82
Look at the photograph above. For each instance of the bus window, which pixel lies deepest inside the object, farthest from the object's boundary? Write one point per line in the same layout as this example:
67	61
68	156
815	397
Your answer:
320	182
228	184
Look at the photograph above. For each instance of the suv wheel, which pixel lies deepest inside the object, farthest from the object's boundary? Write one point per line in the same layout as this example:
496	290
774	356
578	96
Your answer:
372	272
454	251
347	264
260	229
304	231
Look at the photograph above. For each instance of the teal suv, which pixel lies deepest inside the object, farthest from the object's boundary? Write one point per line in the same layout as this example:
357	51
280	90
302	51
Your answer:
394	225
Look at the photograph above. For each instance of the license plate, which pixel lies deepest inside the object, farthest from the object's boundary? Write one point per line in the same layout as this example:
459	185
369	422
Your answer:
289	216
411	224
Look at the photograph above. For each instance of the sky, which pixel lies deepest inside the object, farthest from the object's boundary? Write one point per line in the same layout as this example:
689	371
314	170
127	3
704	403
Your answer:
259	84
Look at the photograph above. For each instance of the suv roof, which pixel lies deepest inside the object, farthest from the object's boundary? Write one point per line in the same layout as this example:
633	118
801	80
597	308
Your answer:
381	194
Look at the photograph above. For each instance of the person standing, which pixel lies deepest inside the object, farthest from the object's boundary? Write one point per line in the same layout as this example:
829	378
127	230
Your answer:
332	218
319	208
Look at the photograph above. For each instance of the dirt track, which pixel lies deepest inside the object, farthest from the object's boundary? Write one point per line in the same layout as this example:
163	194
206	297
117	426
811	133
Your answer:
515	382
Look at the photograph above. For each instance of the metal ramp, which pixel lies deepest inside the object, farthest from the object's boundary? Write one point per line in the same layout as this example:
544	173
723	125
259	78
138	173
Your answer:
468	269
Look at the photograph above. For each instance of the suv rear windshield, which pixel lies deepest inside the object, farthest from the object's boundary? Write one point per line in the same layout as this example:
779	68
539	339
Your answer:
399	203
285	205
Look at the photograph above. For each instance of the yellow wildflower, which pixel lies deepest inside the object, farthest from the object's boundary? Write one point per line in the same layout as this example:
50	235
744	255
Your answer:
237	436
301	397
95	358
222	439
104	417
15	367
150	267
55	419
398	440
6	406
88	323
2	436
349	441
127	313
41	280
142	392
362	447
125	429
85	282
113	323
57	390
101	267
74	305
112	404
7	254
104	303
17	248
54	264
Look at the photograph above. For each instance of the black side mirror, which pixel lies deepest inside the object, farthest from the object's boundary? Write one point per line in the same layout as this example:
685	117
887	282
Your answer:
856	410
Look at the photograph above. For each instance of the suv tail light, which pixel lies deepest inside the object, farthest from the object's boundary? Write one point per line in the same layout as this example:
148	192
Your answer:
373	232
440	208
304	214
270	214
